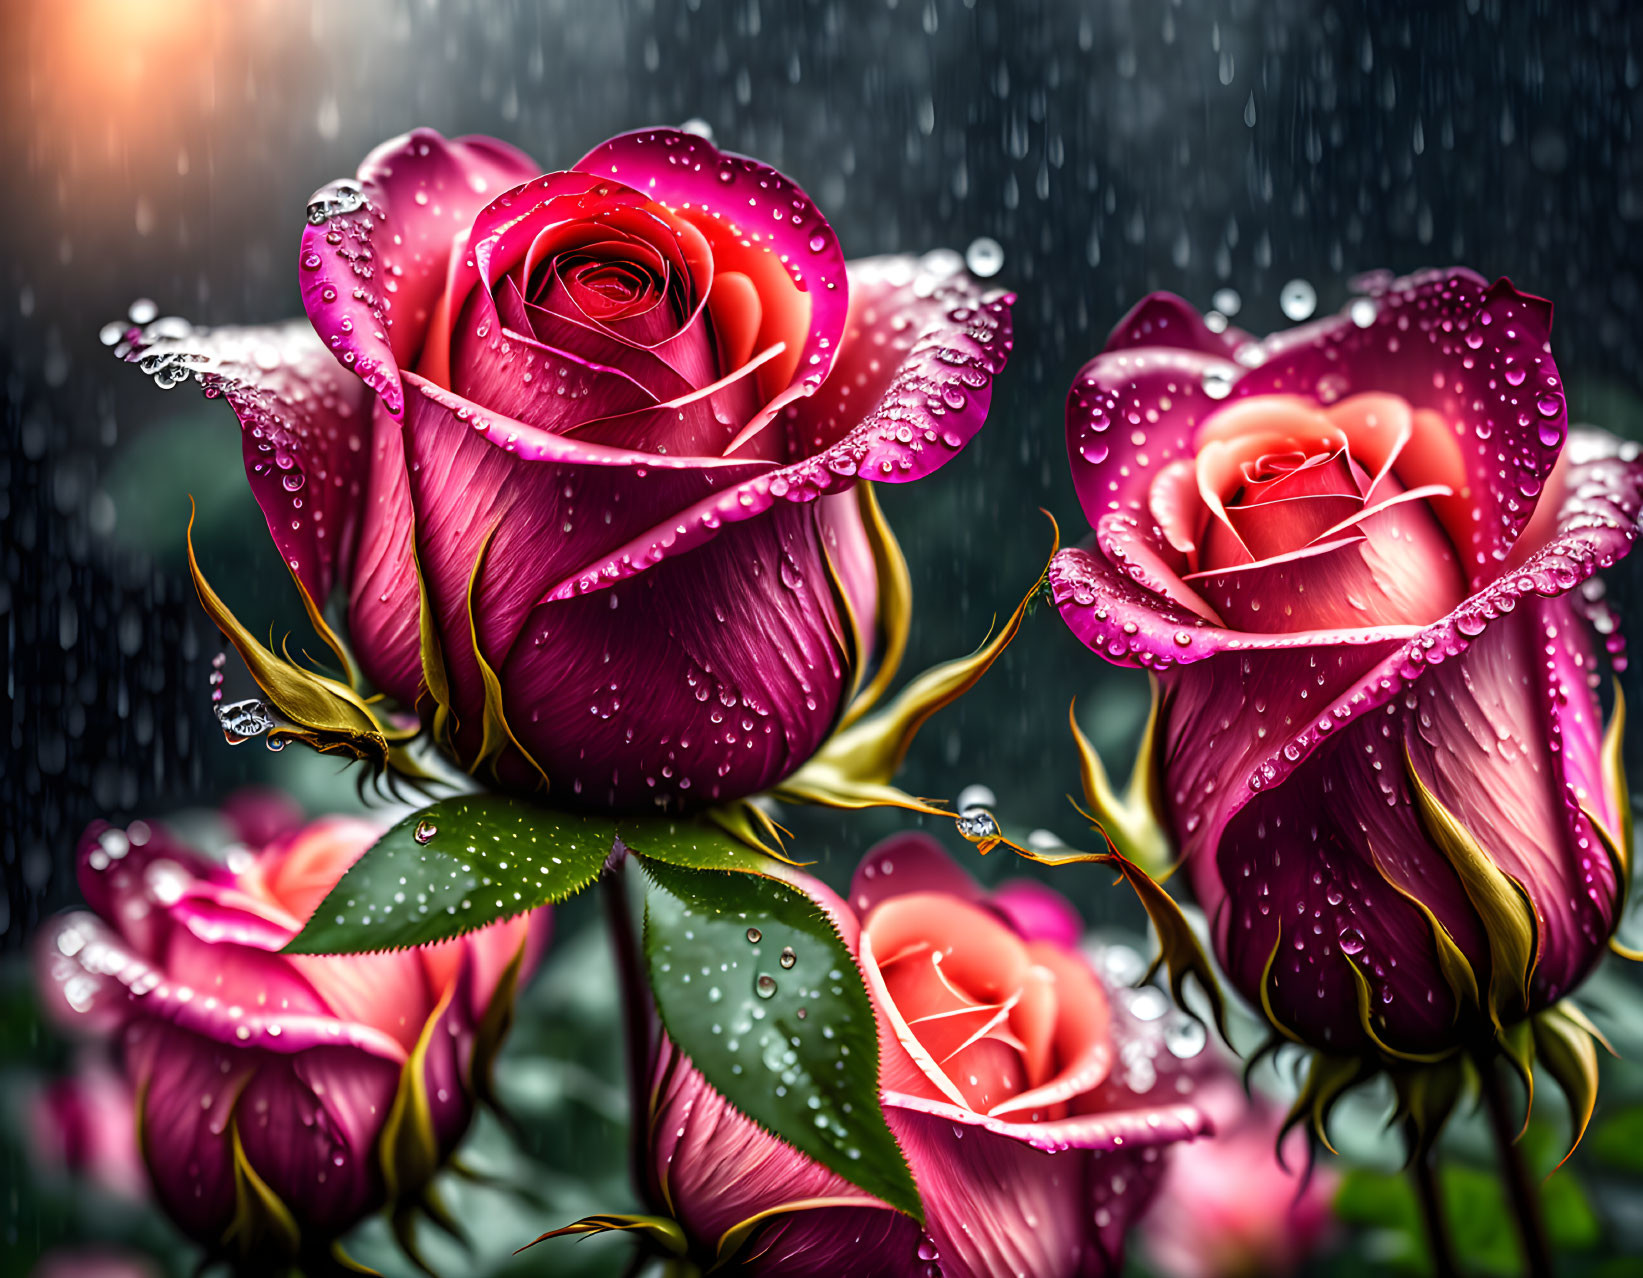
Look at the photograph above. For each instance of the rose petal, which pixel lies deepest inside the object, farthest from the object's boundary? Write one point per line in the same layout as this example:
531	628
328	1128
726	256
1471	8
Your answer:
375	253
472	471
911	862
1507	773
308	1127
1475	354
911	386
717	1167
760	225
303	424
994	1205
737	649
1596	525
1133	410
384	603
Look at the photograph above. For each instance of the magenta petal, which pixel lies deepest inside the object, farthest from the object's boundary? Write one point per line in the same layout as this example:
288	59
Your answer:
1595	527
376	251
716	1168
911	386
913	378
1490	707
303	423
1475	353
911	862
188	1089
998	1205
1130	623
1038	913
555	504
711	676
1133	411
1163	319
384	599
1136	408
308	1127
1309	864
759	224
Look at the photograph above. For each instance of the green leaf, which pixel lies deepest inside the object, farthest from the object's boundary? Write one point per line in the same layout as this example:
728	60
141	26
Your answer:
756	987
692	844
453	867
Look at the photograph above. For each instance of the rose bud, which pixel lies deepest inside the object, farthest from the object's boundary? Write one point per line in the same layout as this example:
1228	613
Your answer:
1358	556
1034	1102
1235	1207
580	449
280	1098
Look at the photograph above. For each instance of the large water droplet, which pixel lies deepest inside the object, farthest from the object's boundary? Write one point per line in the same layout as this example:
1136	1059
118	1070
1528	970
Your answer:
984	257
1298	299
765	986
424	832
242	720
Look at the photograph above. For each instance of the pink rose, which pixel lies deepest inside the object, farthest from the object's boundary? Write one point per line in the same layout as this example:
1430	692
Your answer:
276	1093
579	447
1032	1106
1230	1208
1350	555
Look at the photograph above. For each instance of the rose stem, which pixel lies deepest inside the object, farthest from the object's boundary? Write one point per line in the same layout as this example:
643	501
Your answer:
1439	1244
1537	1252
635	1012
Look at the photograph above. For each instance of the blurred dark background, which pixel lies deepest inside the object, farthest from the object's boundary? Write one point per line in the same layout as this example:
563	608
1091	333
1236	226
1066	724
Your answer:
165	149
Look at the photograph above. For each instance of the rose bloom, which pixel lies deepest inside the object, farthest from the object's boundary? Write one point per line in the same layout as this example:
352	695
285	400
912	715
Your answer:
264	1082
1357	556
579	448
1232	1209
1034	1109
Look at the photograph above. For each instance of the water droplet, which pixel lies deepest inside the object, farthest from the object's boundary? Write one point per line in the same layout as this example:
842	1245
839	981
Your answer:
977	824
984	257
788	957
1185	1038
1298	299
424	832
765	986
1217	381
1351	941
1362	312
242	720
754	935
1227	301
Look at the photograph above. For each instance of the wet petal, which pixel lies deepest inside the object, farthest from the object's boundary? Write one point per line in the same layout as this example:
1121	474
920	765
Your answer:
375	254
1474	354
556	505
304	425
727	663
760	225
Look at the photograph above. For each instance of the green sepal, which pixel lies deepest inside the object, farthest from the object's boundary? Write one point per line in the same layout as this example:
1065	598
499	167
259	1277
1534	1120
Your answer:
1502	905
1566	1045
854	767
261	1219
319	711
1130	821
663	1233
695	845
895	603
